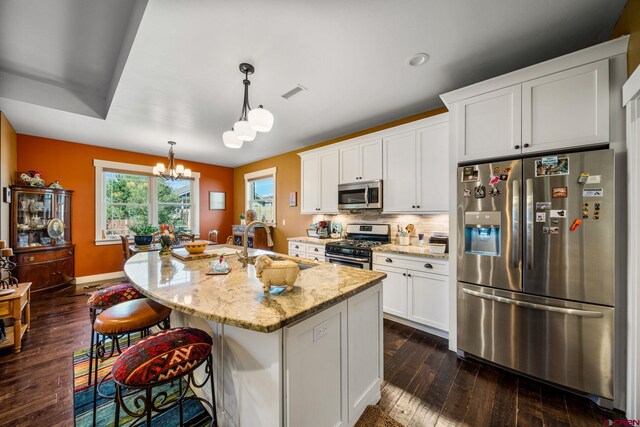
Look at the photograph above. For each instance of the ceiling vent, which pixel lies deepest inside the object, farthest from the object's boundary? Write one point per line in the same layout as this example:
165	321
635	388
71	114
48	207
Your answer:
293	92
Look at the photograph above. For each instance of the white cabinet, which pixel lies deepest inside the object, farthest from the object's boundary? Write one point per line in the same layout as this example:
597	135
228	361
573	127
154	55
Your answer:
489	125
361	162
319	183
426	295
316	353
311	251
415	166
566	109
416	289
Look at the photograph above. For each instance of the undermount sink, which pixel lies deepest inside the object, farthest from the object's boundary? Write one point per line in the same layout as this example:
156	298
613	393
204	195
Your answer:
301	265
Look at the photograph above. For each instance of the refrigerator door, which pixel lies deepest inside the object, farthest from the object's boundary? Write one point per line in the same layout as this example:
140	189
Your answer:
489	225
567	343
569	223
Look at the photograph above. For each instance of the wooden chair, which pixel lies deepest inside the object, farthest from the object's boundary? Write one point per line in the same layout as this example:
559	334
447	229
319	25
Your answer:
182	238
126	253
213	236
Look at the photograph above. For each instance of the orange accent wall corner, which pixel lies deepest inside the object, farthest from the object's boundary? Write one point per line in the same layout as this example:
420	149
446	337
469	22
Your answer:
72	164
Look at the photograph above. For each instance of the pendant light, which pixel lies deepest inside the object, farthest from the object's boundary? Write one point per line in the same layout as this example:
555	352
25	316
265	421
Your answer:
251	120
171	172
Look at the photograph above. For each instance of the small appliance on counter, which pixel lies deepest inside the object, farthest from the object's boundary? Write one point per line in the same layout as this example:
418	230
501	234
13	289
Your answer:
436	242
321	230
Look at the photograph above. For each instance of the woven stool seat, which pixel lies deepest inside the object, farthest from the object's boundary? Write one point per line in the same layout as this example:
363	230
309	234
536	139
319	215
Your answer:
162	356
113	295
130	316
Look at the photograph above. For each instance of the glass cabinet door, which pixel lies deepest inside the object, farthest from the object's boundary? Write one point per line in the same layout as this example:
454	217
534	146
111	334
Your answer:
34	213
63	212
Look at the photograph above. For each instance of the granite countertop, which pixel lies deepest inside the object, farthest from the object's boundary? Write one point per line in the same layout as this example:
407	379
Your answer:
237	298
421	251
313	240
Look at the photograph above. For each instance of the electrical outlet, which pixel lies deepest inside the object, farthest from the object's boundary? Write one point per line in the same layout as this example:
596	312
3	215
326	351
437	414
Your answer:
320	331
284	222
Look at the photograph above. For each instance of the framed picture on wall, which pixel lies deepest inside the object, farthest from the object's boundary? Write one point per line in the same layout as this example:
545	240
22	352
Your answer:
217	200
293	199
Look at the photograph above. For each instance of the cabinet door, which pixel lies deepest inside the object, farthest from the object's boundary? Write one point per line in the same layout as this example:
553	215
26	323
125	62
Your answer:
429	299
394	291
316	370
310	197
350	164
329	182
432	167
40	275
566	109
371	160
64	270
399	172
489	125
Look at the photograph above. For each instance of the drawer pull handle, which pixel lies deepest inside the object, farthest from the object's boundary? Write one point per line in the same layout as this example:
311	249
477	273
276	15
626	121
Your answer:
428	265
388	260
31	259
316	249
297	247
69	252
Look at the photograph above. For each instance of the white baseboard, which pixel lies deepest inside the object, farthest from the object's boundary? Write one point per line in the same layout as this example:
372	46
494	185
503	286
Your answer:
98	277
418	326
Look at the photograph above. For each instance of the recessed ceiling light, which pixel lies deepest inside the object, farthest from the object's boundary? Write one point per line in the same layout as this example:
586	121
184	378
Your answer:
418	59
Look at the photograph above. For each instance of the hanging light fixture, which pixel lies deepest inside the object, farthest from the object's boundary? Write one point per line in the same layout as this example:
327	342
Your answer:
172	172
251	120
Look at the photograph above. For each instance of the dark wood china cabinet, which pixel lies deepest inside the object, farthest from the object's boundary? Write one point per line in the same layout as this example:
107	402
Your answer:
44	261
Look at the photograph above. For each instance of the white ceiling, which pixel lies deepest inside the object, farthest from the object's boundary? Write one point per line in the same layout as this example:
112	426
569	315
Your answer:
132	75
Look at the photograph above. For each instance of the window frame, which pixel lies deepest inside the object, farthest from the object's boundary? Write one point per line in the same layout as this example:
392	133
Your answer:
100	196
261	174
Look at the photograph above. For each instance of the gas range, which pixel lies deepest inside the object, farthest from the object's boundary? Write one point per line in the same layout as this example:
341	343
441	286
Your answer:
355	251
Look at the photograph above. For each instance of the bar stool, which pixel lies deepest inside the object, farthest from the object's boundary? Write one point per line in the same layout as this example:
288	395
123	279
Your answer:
103	299
128	317
158	359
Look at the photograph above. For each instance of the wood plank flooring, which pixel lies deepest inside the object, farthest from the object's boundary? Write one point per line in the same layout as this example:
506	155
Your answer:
425	384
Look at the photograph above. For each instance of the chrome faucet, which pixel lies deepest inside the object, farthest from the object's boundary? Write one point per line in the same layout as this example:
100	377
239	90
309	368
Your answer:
245	242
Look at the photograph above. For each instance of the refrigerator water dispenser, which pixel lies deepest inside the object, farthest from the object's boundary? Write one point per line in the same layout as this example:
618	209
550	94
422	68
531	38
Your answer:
482	233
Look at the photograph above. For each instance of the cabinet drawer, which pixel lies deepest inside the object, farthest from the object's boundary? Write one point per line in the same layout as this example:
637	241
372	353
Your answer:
35	257
5	309
297	247
423	264
297	254
315	251
315	256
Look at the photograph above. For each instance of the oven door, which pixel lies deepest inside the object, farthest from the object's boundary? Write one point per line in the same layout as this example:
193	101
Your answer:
361	195
348	261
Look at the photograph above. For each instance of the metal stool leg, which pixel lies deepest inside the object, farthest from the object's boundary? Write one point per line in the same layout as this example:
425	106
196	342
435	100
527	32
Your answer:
149	405
213	393
117	414
92	318
181	400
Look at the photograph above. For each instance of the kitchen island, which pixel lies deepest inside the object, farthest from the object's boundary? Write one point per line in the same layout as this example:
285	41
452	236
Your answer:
308	357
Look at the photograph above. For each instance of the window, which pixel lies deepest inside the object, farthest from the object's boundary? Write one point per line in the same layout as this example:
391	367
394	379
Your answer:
261	194
128	193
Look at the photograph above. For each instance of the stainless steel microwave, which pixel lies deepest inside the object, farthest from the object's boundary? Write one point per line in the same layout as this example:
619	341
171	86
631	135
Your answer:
360	195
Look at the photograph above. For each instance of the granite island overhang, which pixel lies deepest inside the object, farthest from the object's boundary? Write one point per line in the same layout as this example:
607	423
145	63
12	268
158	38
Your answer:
274	352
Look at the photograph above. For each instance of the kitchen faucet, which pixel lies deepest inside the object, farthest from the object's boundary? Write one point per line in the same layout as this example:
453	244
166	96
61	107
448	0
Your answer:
245	242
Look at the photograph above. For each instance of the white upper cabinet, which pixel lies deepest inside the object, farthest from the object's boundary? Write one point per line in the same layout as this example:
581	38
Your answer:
432	144
319	183
489	124
566	109
361	162
415	166
562	104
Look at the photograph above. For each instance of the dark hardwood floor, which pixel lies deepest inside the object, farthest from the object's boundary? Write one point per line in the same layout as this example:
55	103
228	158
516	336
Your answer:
425	384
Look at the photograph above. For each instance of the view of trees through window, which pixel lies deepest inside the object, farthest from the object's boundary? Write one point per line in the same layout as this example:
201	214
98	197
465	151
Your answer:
129	200
261	198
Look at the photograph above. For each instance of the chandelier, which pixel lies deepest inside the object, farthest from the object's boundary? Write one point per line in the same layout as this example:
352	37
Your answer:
173	172
251	120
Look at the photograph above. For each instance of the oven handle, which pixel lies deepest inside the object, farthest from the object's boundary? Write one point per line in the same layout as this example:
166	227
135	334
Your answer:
345	258
551	308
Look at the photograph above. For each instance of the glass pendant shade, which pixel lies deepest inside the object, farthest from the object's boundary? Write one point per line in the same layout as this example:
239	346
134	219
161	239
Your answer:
260	119
231	140
155	170
179	169
187	173
160	167
244	131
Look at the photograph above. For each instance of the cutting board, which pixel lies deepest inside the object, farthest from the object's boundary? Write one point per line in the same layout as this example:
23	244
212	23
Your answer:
182	254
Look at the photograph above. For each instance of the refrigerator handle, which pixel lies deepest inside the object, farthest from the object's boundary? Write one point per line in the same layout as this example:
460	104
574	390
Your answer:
551	308
529	255
515	223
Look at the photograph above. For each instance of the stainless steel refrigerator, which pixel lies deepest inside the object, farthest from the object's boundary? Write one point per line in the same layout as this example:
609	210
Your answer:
535	267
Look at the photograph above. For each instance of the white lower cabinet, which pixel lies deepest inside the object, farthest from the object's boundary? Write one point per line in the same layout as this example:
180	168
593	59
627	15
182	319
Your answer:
416	289
310	251
334	363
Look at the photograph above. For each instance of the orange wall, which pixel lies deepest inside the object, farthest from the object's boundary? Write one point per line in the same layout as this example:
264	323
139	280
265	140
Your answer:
72	165
8	143
288	181
629	23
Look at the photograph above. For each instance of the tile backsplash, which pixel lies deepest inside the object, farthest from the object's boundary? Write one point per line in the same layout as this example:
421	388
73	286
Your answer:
427	224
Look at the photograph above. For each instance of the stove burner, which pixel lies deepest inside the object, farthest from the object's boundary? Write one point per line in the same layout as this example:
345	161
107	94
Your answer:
356	243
